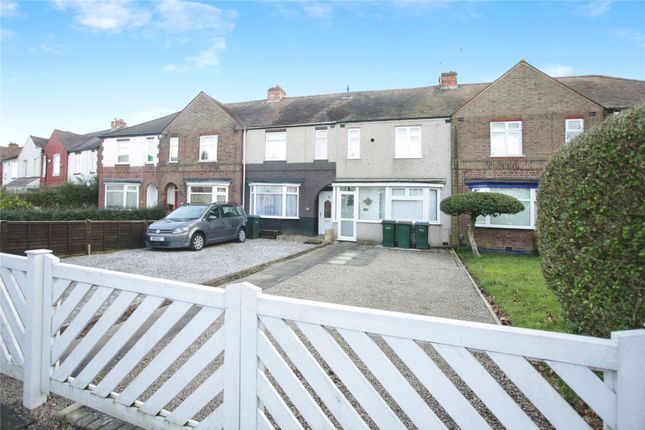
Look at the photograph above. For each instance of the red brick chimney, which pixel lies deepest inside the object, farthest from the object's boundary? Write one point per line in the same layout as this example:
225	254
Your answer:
275	94
117	123
448	80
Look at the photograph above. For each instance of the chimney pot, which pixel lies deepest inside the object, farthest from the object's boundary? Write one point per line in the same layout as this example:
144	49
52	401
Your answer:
117	123
448	80
275	94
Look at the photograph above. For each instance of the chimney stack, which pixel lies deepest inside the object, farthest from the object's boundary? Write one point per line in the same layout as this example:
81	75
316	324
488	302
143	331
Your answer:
117	123
448	80
275	94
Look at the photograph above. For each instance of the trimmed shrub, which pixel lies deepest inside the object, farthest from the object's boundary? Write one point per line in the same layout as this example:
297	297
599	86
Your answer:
67	195
479	204
591	226
91	213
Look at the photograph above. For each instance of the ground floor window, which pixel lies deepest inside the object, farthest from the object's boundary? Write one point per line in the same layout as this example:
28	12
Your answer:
207	193
122	196
522	220
275	200
401	202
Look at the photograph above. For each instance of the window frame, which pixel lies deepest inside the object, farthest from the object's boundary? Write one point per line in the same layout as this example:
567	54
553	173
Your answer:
399	151
173	148
56	165
321	144
214	190
125	193
123	149
203	143
532	207
566	129
356	142
78	164
270	142
506	132
151	144
285	186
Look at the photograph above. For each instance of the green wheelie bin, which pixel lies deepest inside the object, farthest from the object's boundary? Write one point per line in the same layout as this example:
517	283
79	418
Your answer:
253	226
389	228
403	234
421	234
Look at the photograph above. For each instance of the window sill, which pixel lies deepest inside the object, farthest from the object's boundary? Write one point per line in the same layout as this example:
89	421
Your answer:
275	159
172	162
408	158
506	156
353	158
207	161
321	159
122	164
505	227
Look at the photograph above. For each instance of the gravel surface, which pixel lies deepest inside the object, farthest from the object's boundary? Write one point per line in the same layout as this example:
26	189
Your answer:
197	267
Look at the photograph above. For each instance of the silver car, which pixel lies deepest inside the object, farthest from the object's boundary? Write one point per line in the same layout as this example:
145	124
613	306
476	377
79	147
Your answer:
196	225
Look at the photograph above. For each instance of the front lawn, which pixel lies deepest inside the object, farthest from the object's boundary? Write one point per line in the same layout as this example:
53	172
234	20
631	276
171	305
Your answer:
519	289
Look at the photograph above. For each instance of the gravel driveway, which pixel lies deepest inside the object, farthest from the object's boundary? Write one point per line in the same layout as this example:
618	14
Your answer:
206	265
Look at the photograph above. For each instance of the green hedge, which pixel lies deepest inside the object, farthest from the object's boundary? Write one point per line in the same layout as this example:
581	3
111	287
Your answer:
91	213
67	195
591	226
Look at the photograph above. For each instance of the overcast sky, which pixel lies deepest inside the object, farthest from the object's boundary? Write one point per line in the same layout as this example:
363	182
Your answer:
76	65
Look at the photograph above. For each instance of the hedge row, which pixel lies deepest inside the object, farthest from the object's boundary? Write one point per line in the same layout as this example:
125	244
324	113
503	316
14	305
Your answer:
87	213
67	195
591	226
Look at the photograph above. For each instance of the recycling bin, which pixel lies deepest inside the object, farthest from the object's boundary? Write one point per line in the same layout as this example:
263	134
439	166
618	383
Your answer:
421	234
403	234
253	226
389	229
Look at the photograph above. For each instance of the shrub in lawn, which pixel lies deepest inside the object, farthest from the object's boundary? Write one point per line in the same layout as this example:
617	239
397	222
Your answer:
591	226
479	204
86	213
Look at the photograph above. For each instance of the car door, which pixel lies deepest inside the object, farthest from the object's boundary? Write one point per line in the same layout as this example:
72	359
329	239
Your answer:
229	217
215	225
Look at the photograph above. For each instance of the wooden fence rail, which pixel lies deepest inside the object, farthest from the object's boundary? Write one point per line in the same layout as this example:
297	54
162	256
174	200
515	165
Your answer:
194	357
71	237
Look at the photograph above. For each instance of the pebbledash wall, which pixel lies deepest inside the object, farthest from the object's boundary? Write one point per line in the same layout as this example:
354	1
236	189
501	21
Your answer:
542	105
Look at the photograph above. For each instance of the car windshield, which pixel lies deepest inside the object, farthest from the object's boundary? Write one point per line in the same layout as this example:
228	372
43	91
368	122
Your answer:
187	212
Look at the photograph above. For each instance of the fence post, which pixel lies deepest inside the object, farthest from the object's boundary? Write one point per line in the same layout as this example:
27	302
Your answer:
630	379
36	316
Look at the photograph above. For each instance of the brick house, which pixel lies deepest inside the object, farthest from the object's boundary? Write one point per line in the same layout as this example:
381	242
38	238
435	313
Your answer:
504	136
194	155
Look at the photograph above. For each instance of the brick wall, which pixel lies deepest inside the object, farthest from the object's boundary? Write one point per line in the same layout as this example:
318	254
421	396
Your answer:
542	104
55	146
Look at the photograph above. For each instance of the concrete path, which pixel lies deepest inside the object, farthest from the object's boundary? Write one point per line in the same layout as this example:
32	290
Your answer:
420	282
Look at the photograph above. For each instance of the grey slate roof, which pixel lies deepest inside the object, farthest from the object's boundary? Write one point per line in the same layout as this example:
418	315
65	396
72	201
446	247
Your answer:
610	92
22	182
9	152
39	141
74	142
155	126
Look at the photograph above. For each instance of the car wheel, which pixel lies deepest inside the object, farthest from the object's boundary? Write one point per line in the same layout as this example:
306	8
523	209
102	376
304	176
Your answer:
197	242
241	235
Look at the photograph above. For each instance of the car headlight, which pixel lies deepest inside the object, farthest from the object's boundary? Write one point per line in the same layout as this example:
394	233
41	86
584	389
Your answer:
179	230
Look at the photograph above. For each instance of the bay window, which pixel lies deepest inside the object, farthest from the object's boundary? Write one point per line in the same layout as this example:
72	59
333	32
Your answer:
522	220
275	200
506	139
275	146
122	196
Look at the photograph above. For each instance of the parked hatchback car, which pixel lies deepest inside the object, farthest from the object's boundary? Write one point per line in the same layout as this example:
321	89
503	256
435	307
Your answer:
196	225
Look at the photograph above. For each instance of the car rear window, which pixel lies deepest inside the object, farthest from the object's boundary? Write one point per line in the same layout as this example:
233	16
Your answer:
228	211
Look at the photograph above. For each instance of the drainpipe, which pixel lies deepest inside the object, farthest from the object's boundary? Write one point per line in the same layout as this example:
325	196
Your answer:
244	169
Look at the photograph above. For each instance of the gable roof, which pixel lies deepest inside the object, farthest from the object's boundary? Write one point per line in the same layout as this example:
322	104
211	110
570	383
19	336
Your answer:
155	126
608	91
40	142
74	142
9	152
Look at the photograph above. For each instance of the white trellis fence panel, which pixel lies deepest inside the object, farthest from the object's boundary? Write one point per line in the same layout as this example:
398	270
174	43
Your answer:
168	355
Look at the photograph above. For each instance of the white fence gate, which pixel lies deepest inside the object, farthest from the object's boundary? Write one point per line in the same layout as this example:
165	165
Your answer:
169	355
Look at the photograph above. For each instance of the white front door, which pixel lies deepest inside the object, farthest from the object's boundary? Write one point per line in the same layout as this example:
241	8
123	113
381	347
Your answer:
324	211
347	214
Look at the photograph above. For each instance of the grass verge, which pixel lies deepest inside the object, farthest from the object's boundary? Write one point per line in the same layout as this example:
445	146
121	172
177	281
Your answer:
518	287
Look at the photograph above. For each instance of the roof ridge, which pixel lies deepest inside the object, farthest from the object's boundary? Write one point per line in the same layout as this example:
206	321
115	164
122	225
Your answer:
602	76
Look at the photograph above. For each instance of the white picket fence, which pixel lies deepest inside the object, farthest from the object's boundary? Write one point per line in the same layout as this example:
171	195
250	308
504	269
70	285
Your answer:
170	355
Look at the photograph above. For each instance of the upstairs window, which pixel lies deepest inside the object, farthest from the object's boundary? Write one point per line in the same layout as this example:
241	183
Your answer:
506	139
173	156
151	152
123	152
275	146
353	143
573	127
208	148
56	167
321	144
77	162
407	142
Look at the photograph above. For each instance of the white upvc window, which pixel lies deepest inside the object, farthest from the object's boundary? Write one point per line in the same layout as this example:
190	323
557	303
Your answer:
123	152
152	152
207	193
275	200
275	146
173	153
320	151
77	163
121	196
93	161
407	142
506	139
208	148
573	127
44	172
353	143
56	165
522	220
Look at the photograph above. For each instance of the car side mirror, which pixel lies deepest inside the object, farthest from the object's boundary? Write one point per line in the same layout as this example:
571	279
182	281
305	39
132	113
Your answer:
212	217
